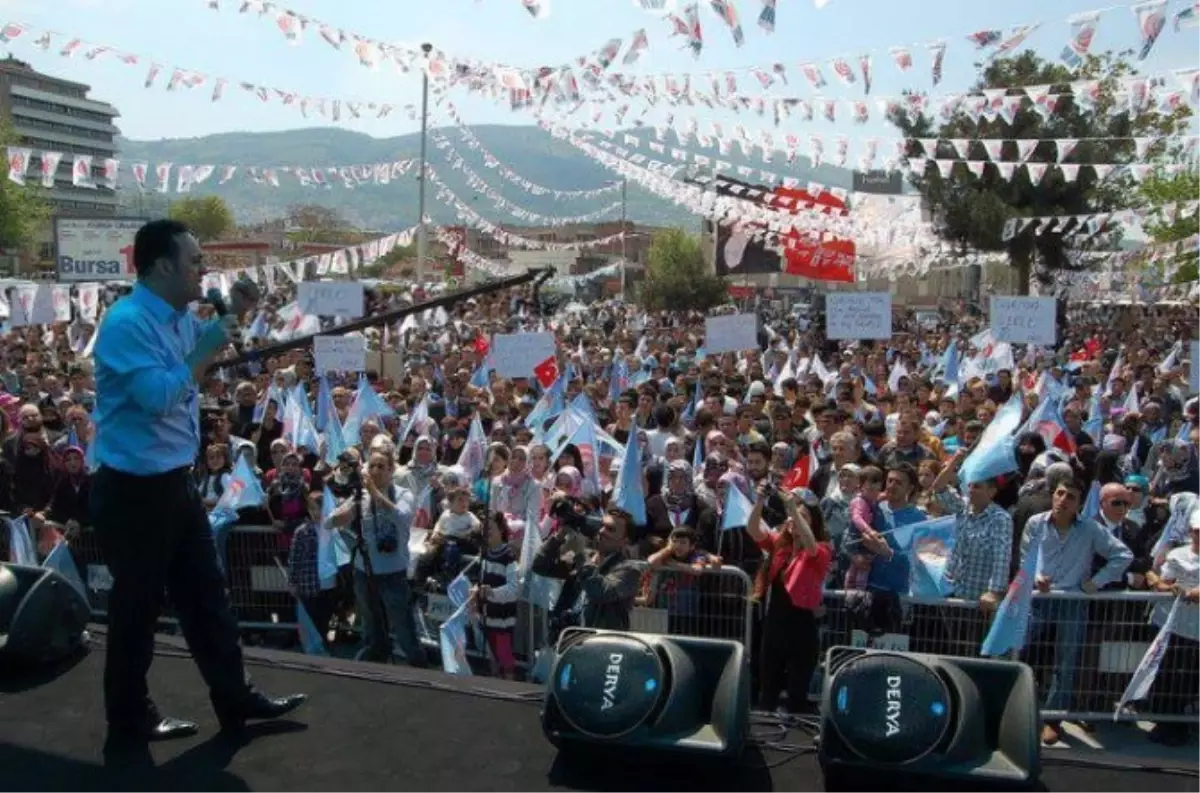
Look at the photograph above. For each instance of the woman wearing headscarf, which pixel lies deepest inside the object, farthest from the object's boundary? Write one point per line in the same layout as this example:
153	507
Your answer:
674	506
1176	471
733	546
422	470
513	492
715	464
497	464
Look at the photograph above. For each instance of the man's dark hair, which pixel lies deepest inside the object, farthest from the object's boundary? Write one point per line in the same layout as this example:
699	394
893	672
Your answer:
1073	484
908	472
625	518
156	240
664	416
759	447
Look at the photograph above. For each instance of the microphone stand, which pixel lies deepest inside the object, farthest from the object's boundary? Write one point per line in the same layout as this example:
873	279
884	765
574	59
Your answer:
374	596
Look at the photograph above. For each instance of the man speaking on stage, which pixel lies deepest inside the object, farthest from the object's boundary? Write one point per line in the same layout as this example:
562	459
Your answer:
150	354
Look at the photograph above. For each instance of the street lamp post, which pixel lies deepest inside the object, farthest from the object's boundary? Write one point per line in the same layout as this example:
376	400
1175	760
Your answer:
624	196
421	241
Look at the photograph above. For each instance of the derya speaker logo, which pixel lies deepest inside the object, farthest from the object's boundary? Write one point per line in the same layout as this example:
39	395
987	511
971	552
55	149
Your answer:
612	679
893	695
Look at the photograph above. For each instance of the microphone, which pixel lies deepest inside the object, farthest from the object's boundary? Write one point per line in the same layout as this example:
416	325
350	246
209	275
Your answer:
217	300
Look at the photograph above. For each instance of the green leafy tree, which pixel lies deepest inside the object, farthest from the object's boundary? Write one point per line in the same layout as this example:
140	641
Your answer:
23	210
971	211
319	224
677	277
1163	189
209	217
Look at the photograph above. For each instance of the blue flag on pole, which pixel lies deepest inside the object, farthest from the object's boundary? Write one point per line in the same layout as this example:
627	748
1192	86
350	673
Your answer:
737	509
928	544
629	493
59	559
453	639
1008	629
20	547
995	453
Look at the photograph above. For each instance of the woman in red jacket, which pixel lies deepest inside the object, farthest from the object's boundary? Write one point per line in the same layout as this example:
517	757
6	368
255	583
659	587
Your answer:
800	555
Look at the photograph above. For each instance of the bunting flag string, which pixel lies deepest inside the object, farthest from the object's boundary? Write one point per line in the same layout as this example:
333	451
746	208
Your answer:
44	164
479	185
457	248
468	215
491	161
181	78
501	203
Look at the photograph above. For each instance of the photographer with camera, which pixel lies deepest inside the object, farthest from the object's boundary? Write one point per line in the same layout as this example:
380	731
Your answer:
599	585
380	519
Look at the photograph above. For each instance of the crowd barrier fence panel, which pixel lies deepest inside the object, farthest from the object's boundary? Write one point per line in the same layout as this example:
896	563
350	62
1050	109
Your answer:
1113	638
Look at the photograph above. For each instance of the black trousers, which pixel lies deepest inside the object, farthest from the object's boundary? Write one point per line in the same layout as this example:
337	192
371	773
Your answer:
791	647
155	539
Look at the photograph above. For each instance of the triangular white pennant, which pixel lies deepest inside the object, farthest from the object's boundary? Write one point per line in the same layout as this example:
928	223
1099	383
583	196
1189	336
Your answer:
1140	170
917	165
1036	171
1141	146
1006	169
945	167
1070	171
993	148
929	145
976	167
1065	146
1102	170
962	146
1026	147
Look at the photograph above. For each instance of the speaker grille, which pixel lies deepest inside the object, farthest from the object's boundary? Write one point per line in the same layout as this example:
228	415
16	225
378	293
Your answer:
888	708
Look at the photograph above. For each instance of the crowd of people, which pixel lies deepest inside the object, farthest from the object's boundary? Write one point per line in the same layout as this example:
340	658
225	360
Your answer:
834	446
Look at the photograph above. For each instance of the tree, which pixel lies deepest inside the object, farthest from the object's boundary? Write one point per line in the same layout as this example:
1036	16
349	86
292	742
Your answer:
1160	190
972	211
23	211
209	217
677	277
315	223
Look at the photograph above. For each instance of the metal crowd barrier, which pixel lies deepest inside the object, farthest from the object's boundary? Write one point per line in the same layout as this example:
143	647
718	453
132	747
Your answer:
1112	635
1107	633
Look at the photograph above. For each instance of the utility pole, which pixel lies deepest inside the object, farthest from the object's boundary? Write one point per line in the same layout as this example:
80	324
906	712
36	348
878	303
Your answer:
421	241
624	199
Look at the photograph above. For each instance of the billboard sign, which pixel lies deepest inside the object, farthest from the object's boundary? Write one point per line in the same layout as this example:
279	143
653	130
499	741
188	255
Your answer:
95	249
880	182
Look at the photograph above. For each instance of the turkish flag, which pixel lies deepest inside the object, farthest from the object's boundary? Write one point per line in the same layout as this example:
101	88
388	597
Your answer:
546	372
802	472
482	345
803	254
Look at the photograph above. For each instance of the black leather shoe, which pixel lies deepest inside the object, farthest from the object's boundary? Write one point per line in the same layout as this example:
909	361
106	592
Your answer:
260	706
164	729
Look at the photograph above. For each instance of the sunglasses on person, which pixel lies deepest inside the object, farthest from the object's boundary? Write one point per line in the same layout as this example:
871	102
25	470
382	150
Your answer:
1118	503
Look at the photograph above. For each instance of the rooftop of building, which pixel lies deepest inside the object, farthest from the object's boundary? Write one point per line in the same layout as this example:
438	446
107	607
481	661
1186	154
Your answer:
17	67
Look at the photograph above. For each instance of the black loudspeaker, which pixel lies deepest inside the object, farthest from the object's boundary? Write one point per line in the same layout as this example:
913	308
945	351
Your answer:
42	615
929	716
650	692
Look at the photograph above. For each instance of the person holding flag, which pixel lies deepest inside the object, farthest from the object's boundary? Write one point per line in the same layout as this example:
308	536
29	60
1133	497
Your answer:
1174	686
1065	543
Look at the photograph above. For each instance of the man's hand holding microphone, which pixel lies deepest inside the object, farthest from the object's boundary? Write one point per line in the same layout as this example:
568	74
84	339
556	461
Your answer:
243	297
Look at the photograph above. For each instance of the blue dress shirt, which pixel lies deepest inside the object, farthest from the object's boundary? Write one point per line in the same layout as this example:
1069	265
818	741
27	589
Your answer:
147	404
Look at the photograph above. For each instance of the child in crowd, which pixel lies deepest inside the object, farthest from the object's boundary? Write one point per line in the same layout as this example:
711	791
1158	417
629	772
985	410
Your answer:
865	517
304	575
453	535
678	592
496	595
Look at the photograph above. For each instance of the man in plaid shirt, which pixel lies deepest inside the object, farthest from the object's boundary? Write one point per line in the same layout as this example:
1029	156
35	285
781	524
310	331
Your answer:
983	536
303	573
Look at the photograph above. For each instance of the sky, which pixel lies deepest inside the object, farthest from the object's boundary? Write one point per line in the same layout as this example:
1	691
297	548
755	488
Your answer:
246	47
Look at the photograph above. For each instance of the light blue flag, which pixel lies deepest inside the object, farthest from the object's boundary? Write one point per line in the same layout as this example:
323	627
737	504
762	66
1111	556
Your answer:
584	406
737	509
585	440
21	546
928	543
629	492
459	590
332	552
325	407
549	405
260	408
995	453
1091	505
869	386
311	639
1011	624
949	367
420	413
1094	426
59	559
335	441
698	456
453	639
243	491
73	437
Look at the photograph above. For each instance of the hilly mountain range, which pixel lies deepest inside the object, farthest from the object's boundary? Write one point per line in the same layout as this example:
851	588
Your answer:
529	151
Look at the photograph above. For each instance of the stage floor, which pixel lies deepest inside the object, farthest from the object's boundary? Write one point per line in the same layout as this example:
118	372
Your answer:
373	728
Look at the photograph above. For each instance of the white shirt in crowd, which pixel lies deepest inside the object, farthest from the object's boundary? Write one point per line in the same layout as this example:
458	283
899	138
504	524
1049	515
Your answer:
1183	567
458	527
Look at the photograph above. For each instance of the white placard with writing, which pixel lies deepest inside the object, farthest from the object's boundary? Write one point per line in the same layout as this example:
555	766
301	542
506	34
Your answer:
516	354
731	333
858	315
1194	368
331	298
1025	320
340	353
